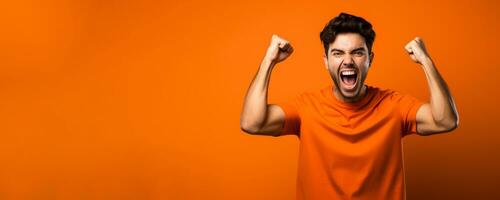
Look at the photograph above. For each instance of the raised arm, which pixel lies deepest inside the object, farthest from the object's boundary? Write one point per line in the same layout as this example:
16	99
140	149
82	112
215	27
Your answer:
257	116
440	114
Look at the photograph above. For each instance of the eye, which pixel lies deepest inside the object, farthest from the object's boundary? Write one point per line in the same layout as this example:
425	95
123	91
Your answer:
336	54
359	53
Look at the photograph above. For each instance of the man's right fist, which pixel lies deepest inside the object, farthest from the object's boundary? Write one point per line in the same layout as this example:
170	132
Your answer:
278	50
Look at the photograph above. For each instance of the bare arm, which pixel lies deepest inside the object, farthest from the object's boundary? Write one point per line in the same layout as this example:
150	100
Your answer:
257	116
440	114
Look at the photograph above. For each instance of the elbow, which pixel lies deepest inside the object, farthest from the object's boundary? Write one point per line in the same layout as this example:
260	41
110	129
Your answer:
248	128
454	122
450	125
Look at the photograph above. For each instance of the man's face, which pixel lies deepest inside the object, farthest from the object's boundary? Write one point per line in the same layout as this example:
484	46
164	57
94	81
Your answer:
348	62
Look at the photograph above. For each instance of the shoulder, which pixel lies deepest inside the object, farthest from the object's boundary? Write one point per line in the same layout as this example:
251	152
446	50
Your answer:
389	94
393	98
400	100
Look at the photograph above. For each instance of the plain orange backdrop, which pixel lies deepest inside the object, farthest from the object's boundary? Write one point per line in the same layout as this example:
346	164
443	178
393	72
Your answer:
141	99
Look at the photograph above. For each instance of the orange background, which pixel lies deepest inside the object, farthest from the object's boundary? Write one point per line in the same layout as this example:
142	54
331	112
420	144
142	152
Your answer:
141	100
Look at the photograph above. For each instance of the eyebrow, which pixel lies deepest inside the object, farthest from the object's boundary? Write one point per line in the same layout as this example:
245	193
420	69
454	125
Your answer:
356	49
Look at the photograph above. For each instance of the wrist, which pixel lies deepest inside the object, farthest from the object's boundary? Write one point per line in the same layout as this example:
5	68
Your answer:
428	63
267	64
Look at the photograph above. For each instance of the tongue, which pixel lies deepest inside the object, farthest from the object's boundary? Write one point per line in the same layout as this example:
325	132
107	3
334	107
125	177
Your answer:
349	80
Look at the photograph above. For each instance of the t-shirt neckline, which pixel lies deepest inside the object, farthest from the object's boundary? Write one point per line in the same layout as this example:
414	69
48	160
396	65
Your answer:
349	105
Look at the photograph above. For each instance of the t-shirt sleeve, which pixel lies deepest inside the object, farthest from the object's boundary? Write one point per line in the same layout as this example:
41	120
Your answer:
291	125
408	107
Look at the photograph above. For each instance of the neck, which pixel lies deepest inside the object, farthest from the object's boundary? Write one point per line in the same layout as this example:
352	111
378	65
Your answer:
342	98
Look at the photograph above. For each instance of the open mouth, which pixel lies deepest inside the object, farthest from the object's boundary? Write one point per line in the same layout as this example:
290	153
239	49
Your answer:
349	78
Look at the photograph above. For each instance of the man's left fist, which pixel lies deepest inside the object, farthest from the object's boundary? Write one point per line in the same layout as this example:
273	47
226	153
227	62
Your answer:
417	51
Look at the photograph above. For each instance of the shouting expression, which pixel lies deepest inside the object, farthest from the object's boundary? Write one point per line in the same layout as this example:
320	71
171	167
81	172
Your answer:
348	61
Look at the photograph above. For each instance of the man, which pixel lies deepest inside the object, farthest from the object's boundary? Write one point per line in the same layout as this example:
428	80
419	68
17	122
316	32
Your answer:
350	133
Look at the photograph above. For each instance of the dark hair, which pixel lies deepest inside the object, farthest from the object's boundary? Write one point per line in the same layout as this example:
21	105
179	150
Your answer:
346	23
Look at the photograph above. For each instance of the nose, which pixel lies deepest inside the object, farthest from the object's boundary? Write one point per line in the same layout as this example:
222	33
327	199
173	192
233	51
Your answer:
348	61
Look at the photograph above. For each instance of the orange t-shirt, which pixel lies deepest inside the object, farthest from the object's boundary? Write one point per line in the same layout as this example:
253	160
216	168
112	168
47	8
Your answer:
350	150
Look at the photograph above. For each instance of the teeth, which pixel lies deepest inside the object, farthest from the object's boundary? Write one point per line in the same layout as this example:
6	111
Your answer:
345	73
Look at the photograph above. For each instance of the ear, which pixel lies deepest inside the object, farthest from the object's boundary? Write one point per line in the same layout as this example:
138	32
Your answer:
325	61
372	55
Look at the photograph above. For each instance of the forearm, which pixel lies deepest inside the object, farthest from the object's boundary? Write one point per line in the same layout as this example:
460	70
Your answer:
255	105
441	102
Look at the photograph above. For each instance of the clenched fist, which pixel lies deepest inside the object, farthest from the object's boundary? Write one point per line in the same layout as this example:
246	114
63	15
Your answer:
278	50
417	51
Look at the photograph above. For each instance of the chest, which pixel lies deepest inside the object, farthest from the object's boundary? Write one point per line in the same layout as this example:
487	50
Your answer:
325	122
